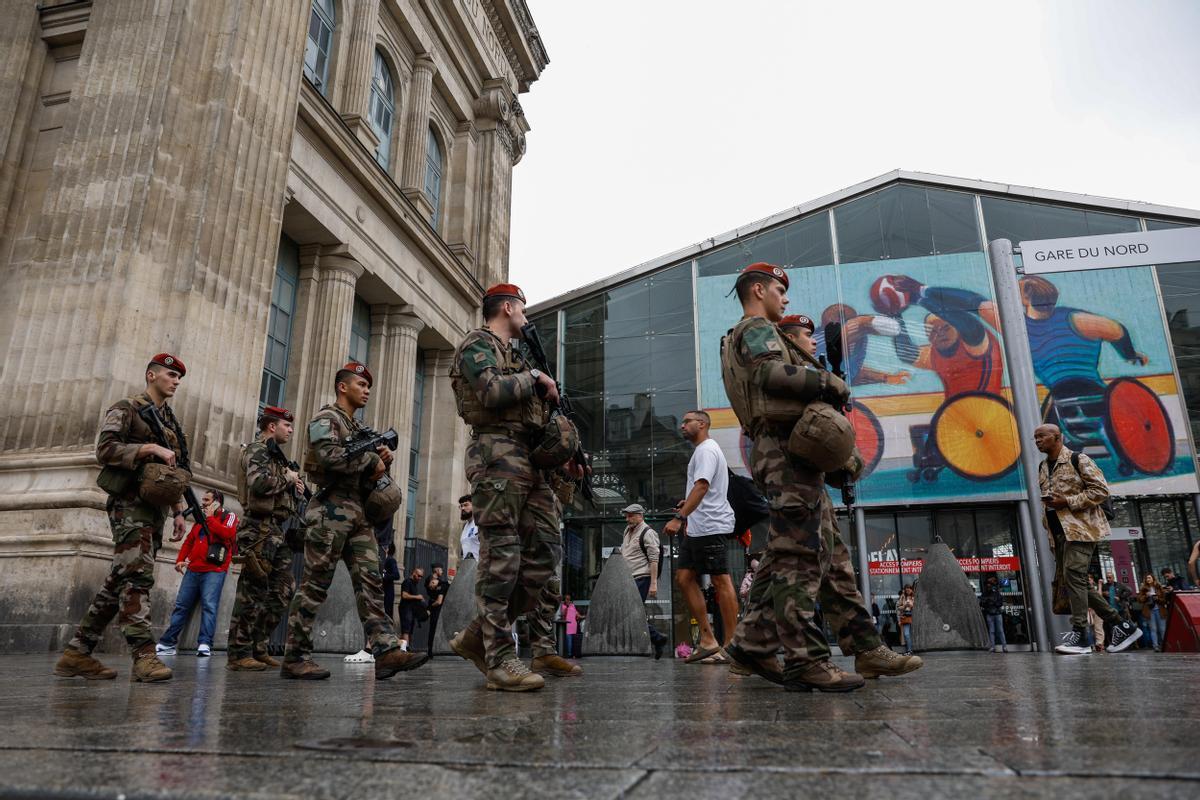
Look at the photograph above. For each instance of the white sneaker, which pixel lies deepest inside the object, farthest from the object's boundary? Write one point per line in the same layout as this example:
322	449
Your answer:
203	651
361	657
164	650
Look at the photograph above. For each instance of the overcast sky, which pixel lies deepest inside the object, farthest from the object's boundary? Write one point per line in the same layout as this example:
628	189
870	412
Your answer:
661	123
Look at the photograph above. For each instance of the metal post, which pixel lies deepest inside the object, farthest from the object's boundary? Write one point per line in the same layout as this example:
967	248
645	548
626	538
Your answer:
1041	625
864	558
1196	504
1025	407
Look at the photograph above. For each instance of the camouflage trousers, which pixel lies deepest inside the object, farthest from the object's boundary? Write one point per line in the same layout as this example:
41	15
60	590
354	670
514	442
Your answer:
264	588
336	530
137	536
806	562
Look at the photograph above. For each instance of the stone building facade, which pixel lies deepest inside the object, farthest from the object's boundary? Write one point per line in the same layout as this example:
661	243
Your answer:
264	189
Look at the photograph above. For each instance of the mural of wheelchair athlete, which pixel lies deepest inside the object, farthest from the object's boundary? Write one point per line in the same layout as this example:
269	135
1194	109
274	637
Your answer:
973	431
1123	417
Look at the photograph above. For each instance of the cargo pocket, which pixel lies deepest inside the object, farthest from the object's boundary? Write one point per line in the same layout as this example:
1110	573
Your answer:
494	504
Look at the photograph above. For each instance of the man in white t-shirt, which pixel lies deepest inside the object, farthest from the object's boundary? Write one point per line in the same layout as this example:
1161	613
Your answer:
709	521
469	540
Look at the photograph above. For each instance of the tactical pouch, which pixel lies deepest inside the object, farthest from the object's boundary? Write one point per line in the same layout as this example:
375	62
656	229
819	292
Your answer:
162	485
115	481
493	506
557	441
383	501
822	437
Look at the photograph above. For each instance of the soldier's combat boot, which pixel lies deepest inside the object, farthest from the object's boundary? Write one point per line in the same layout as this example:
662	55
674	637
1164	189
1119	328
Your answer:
306	670
823	676
397	660
555	665
246	664
74	664
469	647
513	676
743	663
883	660
266	659
147	668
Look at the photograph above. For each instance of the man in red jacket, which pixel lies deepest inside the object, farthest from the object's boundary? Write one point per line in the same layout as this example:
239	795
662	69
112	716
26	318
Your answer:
202	580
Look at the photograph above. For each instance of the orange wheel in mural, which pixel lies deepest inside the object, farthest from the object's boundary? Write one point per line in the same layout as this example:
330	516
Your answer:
1138	427
977	435
868	436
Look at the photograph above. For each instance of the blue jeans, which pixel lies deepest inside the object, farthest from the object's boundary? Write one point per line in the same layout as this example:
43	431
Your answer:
643	587
202	587
995	625
906	630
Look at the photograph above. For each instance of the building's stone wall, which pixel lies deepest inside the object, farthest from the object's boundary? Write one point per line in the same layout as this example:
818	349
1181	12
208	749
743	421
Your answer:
151	158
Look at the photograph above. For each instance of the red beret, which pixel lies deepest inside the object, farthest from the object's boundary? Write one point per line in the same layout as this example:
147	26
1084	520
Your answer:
505	290
275	412
763	268
360	369
798	321
170	362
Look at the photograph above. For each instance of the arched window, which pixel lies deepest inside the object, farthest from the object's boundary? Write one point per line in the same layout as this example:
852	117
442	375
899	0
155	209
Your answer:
383	109
320	42
433	176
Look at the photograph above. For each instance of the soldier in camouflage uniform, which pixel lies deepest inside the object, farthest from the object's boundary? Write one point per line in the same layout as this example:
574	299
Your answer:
769	386
338	530
125	444
506	404
268	489
844	608
546	660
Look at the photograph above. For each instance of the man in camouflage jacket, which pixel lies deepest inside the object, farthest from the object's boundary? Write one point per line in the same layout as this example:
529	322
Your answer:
268	489
126	443
337	530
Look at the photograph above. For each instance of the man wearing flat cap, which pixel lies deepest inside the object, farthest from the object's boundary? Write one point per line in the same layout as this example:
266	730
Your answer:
507	404
268	489
143	484
641	550
337	529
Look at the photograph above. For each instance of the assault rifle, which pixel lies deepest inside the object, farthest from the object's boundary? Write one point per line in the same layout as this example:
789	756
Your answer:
149	414
276	452
833	352
537	353
368	441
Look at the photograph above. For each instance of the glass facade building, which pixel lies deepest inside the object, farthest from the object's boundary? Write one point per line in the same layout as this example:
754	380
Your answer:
638	350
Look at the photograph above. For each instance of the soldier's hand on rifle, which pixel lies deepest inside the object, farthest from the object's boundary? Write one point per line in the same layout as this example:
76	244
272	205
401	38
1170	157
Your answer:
163	454
386	454
547	388
836	391
292	476
300	487
573	470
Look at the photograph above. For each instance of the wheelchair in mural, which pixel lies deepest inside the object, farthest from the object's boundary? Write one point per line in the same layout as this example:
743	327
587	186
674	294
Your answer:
973	434
1124	419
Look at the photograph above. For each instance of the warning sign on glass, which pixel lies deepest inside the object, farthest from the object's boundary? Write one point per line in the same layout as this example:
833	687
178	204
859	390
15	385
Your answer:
973	564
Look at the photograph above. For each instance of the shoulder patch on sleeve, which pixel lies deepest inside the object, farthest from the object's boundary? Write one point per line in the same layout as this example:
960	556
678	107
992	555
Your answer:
319	429
480	357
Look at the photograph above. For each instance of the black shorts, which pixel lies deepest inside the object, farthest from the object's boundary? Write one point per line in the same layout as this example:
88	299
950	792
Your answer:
408	620
704	555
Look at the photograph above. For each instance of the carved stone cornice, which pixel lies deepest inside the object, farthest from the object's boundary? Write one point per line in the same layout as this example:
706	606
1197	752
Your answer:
497	110
529	32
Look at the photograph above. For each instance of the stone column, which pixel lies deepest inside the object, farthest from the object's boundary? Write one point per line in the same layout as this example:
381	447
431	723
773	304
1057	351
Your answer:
158	229
21	59
416	133
330	336
358	70
443	478
463	185
502	127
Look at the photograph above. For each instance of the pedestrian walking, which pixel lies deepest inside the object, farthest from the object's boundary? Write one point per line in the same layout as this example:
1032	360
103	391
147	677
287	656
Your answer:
1073	490
904	611
435	589
641	551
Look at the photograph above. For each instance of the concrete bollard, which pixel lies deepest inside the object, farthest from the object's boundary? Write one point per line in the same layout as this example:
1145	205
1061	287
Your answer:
459	607
946	615
616	618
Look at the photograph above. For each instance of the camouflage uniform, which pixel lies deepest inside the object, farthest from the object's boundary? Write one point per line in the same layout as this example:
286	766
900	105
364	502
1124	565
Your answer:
136	527
266	584
515	507
805	559
337	529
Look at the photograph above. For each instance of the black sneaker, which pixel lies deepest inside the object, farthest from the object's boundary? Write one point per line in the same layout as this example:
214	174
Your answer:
1074	643
659	646
1123	636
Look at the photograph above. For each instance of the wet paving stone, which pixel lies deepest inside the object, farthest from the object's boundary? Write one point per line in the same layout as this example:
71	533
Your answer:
1021	725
